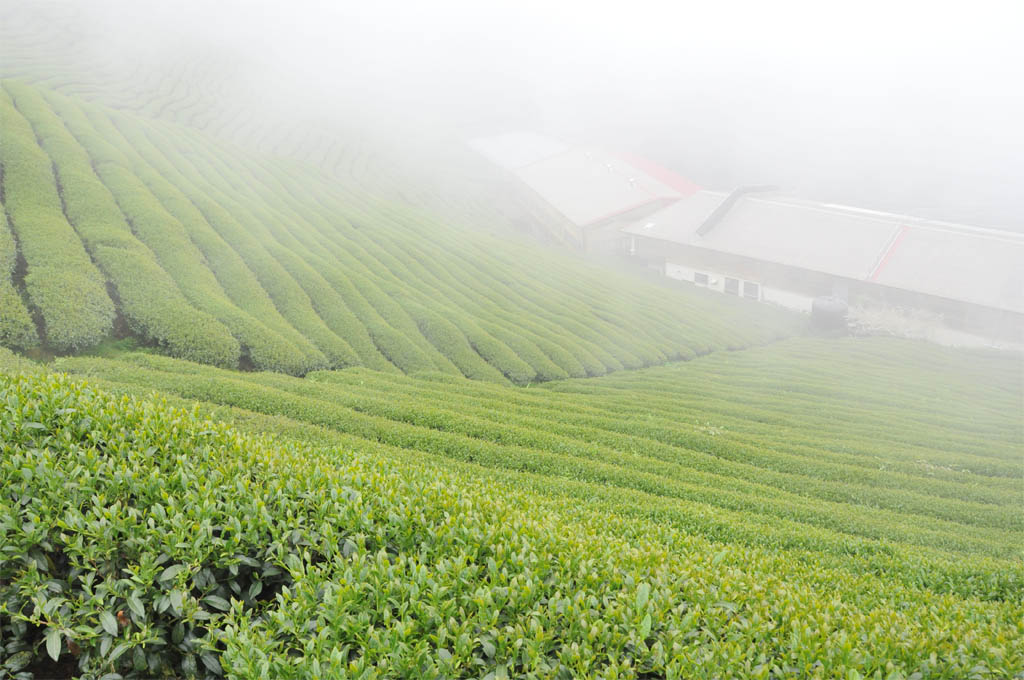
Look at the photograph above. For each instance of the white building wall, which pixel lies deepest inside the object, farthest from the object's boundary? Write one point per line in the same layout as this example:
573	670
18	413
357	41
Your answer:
716	281
683	273
678	271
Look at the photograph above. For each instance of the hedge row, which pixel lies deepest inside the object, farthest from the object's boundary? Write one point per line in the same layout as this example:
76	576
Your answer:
335	232
378	270
291	274
447	337
381	565
244	306
149	298
61	281
385	320
163	236
248	238
550	424
16	326
419	425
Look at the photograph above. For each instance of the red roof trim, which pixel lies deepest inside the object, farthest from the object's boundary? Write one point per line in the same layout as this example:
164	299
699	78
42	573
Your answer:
888	252
667	177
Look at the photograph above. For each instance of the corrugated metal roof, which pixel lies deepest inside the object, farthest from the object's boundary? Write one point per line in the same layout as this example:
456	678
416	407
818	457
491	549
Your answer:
952	261
513	150
589	185
976	267
681	219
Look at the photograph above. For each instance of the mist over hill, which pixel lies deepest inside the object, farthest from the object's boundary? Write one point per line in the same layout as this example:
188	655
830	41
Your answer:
910	108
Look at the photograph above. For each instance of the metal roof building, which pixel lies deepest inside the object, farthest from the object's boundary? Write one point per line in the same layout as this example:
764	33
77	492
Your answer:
593	189
765	246
588	185
983	267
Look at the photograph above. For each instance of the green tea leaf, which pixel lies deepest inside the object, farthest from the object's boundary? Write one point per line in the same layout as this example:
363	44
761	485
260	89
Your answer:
170	572
116	653
642	593
209	660
109	623
53	643
18	661
218	602
176	599
135	604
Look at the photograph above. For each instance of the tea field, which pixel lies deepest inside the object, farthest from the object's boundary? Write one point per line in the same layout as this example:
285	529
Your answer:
134	228
813	508
275	405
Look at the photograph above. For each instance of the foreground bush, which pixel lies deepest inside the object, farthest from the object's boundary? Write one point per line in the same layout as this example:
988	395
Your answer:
145	541
127	529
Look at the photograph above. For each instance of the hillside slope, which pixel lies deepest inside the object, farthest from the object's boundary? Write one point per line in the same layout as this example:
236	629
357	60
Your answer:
134	227
843	447
702	520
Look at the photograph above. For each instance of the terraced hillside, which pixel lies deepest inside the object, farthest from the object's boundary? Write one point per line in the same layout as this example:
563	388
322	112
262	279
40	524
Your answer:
134	227
815	508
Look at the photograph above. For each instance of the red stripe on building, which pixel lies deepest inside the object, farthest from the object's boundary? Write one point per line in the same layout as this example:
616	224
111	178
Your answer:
888	252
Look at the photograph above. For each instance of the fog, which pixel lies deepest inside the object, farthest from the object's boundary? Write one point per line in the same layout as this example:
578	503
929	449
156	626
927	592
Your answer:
909	106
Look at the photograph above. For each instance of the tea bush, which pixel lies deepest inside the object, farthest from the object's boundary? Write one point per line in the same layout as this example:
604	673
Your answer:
16	327
145	540
149	298
129	528
757	469
61	281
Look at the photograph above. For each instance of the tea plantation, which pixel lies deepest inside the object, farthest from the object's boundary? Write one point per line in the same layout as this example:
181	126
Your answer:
130	227
734	516
279	423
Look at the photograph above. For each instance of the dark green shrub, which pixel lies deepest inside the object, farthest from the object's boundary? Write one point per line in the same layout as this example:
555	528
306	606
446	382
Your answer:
128	529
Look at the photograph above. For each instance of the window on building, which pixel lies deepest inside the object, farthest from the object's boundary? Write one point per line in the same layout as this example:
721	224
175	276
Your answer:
700	279
732	286
751	290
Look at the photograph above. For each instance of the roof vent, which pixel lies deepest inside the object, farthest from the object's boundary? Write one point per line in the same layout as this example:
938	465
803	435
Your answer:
726	205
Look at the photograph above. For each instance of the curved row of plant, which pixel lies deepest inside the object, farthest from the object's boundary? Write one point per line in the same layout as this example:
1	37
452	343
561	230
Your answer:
61	282
352	565
226	259
778	496
17	329
202	91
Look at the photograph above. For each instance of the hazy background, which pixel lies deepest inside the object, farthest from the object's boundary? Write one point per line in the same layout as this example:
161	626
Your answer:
908	106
